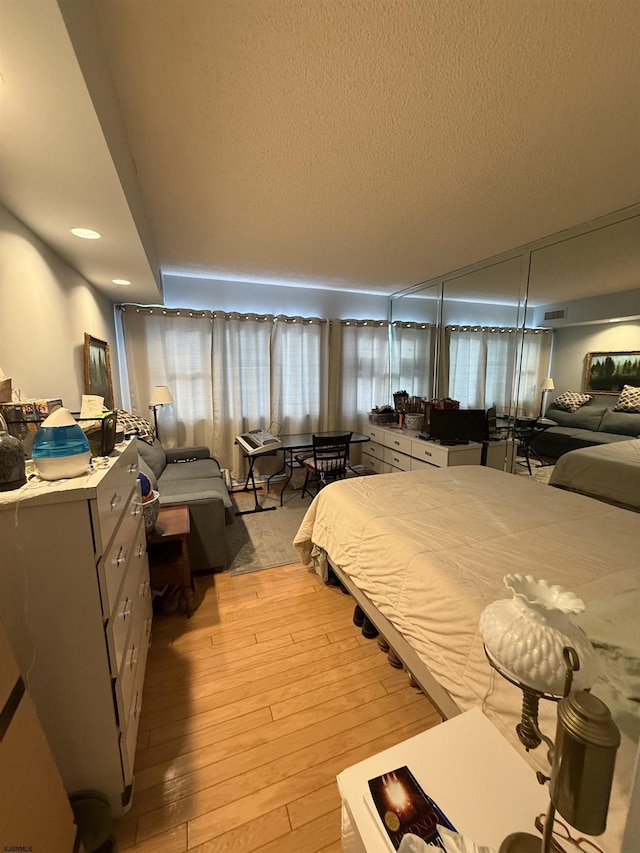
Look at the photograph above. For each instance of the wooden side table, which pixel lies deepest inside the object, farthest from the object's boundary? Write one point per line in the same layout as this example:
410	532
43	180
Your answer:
168	553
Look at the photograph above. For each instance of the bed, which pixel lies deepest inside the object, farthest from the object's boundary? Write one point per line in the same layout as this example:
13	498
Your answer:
608	472
424	552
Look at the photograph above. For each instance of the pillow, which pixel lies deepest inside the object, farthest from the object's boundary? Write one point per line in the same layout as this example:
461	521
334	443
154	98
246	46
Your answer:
155	457
629	400
571	401
135	425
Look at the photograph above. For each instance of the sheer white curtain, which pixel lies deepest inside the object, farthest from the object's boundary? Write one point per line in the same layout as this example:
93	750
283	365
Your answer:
241	380
172	349
228	373
412	358
363	369
483	366
535	358
299	374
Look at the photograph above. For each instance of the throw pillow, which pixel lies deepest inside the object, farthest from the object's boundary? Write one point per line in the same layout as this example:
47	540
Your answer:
571	401
135	425
629	400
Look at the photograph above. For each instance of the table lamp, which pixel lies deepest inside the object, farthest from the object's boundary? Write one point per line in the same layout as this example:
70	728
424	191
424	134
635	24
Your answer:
524	639
545	385
160	396
531	641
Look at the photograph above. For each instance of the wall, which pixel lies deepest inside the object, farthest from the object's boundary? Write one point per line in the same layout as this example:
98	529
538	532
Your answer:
45	309
212	294
571	345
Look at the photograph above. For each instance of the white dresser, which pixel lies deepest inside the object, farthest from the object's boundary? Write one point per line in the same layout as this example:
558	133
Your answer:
76	605
392	450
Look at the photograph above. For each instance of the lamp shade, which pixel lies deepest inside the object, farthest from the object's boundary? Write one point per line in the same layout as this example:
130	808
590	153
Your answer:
525	636
160	395
547	384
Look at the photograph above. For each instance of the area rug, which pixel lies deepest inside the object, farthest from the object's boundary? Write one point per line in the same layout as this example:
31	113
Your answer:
263	540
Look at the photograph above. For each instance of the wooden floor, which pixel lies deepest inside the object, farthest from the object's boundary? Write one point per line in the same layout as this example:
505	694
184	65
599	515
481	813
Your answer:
250	709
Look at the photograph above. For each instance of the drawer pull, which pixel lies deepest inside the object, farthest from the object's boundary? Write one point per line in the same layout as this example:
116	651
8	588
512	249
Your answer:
428	453
133	467
115	501
132	657
140	551
126	608
122	556
142	589
136	509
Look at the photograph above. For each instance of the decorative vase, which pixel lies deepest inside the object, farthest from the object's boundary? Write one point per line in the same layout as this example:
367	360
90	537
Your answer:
525	636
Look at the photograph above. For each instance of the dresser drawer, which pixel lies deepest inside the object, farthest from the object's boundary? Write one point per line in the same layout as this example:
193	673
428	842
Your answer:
135	652
419	464
129	731
372	448
123	614
113	492
112	566
372	462
400	443
429	451
399	461
374	432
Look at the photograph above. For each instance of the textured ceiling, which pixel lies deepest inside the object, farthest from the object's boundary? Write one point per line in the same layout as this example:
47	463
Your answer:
372	144
352	144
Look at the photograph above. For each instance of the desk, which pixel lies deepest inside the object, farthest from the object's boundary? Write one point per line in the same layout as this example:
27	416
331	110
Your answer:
482	784
293	444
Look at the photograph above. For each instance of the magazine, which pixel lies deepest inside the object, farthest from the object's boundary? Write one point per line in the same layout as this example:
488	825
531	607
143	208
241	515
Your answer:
403	808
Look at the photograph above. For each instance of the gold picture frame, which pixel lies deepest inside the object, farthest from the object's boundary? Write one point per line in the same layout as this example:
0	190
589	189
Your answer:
97	369
608	372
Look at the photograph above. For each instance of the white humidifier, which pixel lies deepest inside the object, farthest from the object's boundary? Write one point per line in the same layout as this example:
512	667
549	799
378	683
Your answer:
60	447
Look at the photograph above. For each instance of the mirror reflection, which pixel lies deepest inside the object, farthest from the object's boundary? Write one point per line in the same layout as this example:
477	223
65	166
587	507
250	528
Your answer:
515	332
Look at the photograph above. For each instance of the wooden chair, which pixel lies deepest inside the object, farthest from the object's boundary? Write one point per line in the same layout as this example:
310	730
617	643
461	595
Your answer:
328	462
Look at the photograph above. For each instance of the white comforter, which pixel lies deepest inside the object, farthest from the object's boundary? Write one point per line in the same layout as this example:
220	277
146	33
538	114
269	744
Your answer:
430	548
609	472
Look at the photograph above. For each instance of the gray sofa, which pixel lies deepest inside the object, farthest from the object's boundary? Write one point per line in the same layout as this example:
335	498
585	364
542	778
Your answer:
591	424
189	475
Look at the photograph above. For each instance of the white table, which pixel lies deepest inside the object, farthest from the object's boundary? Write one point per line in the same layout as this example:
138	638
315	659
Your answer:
482	784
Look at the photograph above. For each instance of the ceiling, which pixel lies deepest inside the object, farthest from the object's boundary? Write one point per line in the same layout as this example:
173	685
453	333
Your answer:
364	145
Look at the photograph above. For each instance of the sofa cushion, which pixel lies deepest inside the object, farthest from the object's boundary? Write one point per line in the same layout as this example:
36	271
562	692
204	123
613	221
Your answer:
197	469
144	469
629	400
153	455
194	491
588	438
624	423
586	417
571	401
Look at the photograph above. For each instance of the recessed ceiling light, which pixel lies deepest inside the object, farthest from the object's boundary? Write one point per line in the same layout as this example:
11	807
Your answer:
122	281
86	233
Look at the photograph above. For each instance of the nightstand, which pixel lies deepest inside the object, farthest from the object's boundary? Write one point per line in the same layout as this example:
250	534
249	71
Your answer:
481	783
168	552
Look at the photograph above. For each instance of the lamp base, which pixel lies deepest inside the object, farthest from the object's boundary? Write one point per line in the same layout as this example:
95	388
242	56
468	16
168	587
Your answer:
521	842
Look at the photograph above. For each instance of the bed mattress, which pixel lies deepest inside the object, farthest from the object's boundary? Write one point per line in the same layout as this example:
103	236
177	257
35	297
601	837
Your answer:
430	549
608	472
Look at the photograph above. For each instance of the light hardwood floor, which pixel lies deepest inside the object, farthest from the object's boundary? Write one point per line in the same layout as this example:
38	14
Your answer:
250	709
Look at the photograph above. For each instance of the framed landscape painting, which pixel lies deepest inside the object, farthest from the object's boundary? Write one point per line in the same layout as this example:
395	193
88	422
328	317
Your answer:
609	372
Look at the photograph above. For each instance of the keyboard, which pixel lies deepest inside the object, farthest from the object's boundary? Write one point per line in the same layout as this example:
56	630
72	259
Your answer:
257	441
